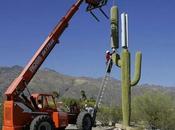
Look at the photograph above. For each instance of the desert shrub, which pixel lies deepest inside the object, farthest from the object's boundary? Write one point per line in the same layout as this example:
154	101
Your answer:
108	114
70	101
155	109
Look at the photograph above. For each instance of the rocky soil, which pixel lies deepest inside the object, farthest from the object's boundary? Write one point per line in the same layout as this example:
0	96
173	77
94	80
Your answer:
73	127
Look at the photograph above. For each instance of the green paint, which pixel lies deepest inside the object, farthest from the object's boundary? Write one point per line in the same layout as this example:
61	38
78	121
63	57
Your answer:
137	73
114	27
126	91
124	62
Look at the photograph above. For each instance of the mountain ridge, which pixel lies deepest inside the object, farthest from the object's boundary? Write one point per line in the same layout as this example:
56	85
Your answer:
49	80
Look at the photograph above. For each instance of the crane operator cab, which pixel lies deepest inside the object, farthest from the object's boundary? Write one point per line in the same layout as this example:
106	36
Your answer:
45	102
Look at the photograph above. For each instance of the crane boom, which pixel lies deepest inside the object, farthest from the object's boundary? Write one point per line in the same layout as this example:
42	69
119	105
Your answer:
21	82
22	111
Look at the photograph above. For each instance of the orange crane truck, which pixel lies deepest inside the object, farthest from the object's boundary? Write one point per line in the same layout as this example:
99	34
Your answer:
39	111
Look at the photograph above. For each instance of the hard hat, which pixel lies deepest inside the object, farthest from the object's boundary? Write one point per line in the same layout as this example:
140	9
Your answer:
107	51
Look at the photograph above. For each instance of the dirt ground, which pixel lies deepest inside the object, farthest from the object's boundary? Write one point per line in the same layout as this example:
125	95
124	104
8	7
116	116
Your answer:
72	127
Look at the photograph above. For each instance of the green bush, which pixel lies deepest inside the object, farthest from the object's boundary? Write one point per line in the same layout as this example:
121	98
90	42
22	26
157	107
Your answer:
69	101
105	114
109	114
155	109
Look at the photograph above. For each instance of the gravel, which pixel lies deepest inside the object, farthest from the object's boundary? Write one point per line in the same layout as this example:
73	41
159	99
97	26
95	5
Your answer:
73	127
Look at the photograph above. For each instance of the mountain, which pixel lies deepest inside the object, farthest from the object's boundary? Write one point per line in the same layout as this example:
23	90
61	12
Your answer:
47	81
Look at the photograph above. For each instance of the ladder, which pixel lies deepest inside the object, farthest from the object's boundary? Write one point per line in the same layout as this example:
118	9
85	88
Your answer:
103	84
102	90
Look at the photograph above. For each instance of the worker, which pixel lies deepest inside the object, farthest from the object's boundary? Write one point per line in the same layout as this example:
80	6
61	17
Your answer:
109	62
108	56
39	104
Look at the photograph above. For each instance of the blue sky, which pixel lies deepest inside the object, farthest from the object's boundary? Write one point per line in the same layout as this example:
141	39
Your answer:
24	25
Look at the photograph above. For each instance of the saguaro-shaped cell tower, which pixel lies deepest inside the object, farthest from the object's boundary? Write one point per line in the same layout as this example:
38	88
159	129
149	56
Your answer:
123	61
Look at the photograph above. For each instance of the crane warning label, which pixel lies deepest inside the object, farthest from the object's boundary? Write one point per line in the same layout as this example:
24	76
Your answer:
40	58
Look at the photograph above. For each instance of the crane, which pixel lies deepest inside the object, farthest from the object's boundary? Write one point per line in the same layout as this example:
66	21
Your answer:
22	112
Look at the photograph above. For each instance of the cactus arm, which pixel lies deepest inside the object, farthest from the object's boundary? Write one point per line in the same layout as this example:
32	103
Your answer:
137	74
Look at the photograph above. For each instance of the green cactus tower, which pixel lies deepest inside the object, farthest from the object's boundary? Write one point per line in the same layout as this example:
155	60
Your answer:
123	61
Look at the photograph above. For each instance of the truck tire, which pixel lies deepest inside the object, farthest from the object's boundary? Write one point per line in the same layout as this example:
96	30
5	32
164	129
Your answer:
42	122
84	121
